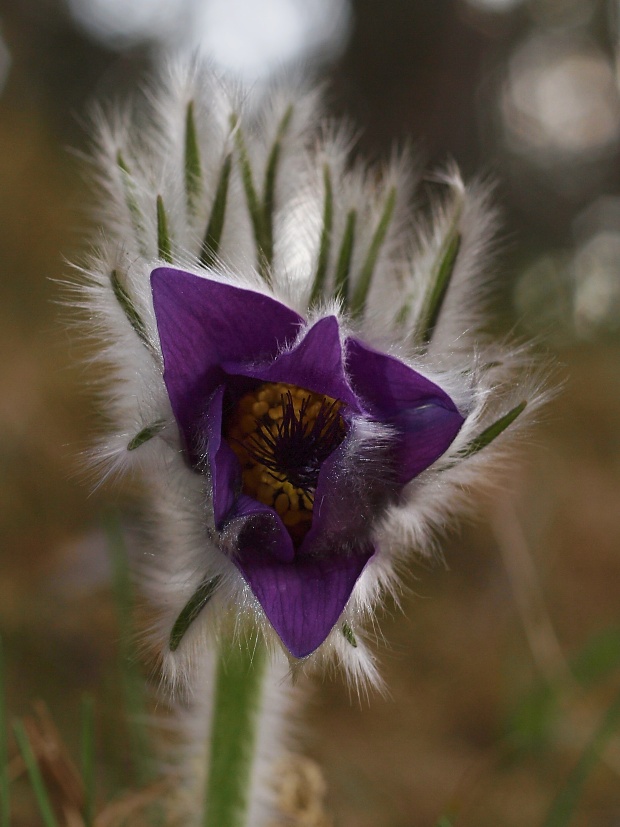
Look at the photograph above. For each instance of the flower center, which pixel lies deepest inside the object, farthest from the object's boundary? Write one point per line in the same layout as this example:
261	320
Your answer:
281	435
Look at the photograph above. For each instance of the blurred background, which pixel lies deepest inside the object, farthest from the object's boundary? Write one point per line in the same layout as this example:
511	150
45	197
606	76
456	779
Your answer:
508	656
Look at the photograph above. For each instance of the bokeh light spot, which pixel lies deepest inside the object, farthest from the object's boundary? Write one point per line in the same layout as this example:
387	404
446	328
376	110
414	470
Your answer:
560	100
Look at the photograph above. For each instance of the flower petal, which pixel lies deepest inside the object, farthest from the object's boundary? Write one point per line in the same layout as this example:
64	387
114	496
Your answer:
223	464
304	599
201	323
316	363
343	508
262	529
424	416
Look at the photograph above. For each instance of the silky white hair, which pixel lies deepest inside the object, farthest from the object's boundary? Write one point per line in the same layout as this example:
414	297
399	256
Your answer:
153	210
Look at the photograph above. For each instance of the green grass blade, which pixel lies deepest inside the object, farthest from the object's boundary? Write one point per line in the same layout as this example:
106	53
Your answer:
5	800
193	172
146	434
563	808
215	227
238	697
129	309
88	758
131	678
441	274
191	610
34	773
318	285
358	301
343	265
492	432
269	190
164	249
131	201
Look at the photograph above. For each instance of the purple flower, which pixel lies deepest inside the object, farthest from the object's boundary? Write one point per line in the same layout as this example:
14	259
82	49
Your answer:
307	436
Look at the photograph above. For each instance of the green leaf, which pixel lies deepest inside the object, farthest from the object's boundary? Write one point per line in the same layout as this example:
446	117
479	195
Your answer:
5	801
133	317
213	234
145	434
326	236
492	432
236	707
191	610
343	265
193	174
164	250
358	302
563	808
269	191
441	274
132	201
347	631
88	759
36	779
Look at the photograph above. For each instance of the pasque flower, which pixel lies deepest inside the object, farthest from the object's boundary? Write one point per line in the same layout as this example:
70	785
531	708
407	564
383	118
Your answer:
278	414
299	368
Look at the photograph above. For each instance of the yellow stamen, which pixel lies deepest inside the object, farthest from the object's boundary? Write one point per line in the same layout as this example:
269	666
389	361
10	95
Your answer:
255	421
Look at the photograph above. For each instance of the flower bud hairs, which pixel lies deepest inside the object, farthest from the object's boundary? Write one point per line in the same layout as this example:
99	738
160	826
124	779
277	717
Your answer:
298	370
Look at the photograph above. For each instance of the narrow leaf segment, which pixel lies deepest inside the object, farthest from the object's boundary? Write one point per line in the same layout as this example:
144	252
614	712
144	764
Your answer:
164	250
191	610
347	631
269	191
364	281
132	201
193	173
318	285
441	276
492	432
254	205
215	227
129	309
146	434
430	314
261	210
343	265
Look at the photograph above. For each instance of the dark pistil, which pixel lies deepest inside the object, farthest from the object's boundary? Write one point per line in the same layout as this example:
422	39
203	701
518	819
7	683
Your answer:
300	444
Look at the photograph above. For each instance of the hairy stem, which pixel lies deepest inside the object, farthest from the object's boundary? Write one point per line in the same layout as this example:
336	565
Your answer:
237	703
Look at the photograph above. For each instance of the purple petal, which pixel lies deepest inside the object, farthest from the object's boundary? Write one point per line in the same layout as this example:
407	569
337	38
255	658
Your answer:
304	599
224	465
341	513
316	364
262	528
424	416
203	323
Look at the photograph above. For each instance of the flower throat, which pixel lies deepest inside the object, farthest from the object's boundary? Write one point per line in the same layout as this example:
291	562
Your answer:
281	435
